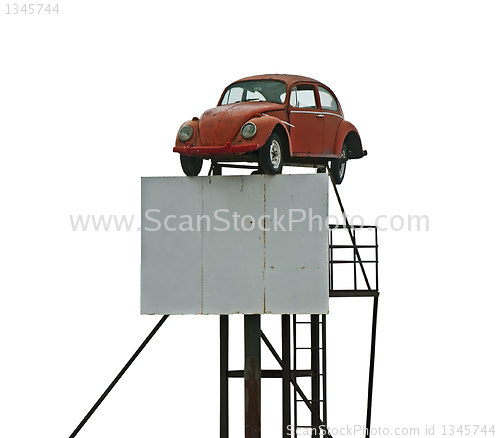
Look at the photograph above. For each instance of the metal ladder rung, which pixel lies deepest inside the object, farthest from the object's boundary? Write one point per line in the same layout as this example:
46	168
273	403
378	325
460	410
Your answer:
310	375
337	262
319	401
305	427
352	246
308	322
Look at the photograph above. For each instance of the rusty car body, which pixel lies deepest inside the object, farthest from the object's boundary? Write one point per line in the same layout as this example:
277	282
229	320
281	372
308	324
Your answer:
273	120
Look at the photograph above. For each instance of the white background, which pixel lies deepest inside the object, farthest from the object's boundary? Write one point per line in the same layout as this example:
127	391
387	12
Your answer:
91	100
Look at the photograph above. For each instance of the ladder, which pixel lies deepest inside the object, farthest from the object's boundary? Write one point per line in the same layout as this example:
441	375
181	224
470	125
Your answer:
316	372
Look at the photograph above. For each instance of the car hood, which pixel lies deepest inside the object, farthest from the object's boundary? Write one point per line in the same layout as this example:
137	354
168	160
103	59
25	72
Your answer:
221	124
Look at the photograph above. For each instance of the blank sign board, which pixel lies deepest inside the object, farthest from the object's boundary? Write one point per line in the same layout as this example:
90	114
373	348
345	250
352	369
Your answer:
234	244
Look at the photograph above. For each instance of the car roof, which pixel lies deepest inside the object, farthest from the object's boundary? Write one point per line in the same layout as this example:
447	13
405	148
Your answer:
289	79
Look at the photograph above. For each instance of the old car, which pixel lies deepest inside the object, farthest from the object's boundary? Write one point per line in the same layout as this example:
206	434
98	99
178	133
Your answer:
273	120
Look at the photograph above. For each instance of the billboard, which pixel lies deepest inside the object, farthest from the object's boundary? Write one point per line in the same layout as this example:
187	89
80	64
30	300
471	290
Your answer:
252	244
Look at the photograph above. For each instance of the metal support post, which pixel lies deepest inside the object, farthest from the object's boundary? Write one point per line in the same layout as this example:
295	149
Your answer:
323	358
372	367
252	373
285	349
315	382
224	366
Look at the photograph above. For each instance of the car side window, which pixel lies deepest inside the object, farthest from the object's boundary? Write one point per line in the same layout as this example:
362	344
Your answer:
233	95
302	96
327	100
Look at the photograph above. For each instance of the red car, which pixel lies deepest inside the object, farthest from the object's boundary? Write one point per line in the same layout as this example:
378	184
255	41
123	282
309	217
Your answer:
273	120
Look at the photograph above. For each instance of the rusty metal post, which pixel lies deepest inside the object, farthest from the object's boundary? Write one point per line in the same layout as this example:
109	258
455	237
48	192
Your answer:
372	367
285	356
323	367
252	375
224	366
315	380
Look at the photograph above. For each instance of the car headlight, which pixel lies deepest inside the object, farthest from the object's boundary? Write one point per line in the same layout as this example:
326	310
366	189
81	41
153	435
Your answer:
185	133
248	130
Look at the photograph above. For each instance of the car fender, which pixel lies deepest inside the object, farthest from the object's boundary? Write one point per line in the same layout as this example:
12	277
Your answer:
347	132
195	124
266	125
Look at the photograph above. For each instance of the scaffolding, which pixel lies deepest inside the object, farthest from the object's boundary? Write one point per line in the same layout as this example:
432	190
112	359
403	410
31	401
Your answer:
341	252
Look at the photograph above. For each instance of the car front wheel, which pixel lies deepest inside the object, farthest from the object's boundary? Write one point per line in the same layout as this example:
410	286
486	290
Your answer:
191	165
338	166
271	155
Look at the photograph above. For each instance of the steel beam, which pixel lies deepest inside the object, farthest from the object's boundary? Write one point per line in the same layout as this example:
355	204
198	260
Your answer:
315	382
224	387
252	377
285	349
119	376
372	368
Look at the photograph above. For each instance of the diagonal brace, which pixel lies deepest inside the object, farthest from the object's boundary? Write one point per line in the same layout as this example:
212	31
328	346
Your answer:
119	376
349	230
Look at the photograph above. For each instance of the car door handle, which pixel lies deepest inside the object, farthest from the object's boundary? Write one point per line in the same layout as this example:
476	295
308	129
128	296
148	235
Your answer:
320	116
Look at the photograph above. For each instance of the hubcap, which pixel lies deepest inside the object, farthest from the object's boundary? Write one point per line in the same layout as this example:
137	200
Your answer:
275	154
342	164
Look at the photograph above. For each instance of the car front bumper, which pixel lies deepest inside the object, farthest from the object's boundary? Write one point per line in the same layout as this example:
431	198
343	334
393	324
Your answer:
191	149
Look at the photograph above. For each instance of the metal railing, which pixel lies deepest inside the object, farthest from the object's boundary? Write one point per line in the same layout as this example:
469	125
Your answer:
342	254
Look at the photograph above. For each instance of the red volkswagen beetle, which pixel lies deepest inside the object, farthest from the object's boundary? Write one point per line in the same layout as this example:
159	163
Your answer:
273	120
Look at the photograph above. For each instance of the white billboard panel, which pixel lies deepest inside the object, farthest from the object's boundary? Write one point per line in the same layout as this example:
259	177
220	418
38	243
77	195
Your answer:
234	244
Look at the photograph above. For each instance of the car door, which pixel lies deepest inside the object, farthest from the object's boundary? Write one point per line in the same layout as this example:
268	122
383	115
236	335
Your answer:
307	119
332	118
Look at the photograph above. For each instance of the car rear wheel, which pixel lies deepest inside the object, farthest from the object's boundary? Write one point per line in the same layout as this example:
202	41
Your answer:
191	165
338	166
271	155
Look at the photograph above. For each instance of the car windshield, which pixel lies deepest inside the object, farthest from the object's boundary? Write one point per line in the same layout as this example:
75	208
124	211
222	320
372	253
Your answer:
255	91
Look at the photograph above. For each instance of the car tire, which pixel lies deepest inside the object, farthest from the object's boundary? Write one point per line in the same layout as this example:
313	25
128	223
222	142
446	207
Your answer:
191	165
271	155
339	165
